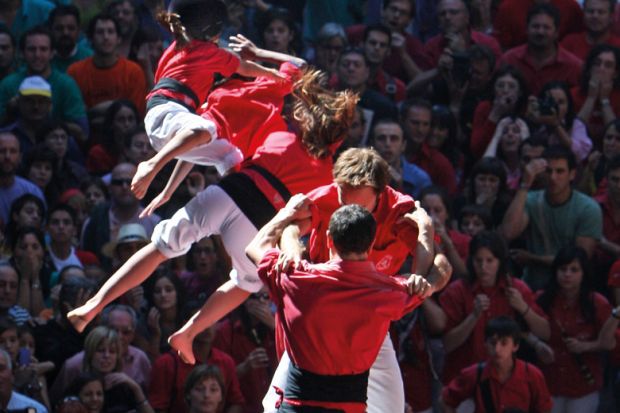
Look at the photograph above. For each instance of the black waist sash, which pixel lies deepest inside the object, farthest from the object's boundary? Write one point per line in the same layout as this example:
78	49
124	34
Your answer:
175	86
304	385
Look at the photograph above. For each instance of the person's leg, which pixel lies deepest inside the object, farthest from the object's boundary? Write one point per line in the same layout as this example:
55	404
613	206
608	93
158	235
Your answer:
386	392
585	404
278	380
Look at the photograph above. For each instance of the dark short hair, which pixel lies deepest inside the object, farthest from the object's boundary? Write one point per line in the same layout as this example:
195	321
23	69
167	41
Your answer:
612	5
90	31
586	72
386	3
503	326
64	10
35	31
354	50
200	373
514	72
492	241
535	140
441	193
482	52
547	9
5	30
378	28
478	210
352	228
7	323
384	121
561	152
62	207
415	103
71	289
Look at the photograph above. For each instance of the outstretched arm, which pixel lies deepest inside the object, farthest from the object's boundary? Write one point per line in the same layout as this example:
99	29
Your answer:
249	51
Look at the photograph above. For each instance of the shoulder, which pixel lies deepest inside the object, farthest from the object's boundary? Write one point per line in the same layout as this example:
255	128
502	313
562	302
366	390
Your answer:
60	79
586	202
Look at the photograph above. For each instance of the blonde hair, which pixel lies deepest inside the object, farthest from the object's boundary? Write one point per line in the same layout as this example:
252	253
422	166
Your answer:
101	335
360	167
173	22
324	117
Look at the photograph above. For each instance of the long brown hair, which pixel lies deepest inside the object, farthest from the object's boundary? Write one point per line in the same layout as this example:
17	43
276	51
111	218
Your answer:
324	117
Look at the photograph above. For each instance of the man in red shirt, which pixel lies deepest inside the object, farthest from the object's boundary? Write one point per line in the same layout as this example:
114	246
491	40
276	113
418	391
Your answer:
509	24
344	305
542	60
598	19
503	382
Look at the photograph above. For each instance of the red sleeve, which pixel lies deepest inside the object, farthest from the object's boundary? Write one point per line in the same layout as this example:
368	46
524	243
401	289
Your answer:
433	50
223	62
528	297
162	382
452	303
541	396
462	387
267	274
482	129
614	275
233	390
87	257
602	309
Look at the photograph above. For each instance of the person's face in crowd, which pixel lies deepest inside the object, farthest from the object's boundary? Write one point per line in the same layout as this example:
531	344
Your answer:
26	340
125	250
34	108
94	196
10	156
9	282
73	272
397	15
122	322
353	71
120	186
569	277
91	396
206	396
6	378
58	141
480	74
278	36
511	138
202	342
541	32
95	273
597	16
507	87
40	173
561	100
28	216
327	53
61	227
611	143
204	257
389	142
501	349
486	266
453	16
105	357
38	53
365	196
438	136
9	342
139	149
125	15
472	225
356	130
7	51
486	184
529	153
559	176
65	30
105	39
605	67
377	47
164	294
613	184
434	206
417	124
29	246
124	121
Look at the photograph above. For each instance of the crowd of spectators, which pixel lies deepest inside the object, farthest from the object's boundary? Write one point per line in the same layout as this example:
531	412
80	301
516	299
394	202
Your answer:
499	116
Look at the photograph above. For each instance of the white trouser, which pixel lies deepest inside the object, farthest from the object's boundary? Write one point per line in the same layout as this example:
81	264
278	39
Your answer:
212	211
585	404
385	384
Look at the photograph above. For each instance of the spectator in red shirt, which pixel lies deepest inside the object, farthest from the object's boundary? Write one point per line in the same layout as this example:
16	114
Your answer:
541	59
377	40
501	382
509	23
581	328
598	18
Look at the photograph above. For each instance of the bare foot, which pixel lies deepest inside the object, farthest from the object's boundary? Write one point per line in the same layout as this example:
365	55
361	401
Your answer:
81	316
142	179
181	342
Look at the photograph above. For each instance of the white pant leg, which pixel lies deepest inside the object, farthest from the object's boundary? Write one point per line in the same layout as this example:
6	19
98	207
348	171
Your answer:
278	380
466	406
586	404
212	211
386	392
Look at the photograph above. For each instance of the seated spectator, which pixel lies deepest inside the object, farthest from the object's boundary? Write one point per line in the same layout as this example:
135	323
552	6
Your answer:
406	59
279	31
249	338
377	40
125	13
501	382
550	218
88	387
487	292
597	98
26	211
120	118
137	147
123	208
64	22
22	15
106	76
9	285
39	167
509	134
598	19
557	120
445	137
75	199
70	170
581	329
67	103
170	372
206	269
96	193
330	41
10	400
473	219
7	52
387	138
204	390
541	59
508	98
509	23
